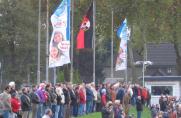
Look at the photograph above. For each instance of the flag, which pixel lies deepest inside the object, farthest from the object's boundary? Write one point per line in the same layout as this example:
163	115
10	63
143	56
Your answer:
84	37
60	39
123	33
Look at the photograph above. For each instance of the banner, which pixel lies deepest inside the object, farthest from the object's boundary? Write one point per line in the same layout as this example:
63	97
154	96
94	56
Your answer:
123	33
60	39
84	37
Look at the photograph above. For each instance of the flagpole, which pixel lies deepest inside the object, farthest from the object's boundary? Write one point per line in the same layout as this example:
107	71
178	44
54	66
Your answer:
54	76
47	41
112	37
126	70
39	38
94	38
72	43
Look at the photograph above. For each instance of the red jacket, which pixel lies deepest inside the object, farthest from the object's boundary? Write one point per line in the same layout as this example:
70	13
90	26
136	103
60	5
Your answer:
144	94
103	100
15	104
82	97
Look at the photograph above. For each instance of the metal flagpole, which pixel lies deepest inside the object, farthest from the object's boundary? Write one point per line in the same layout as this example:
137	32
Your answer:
126	70
47	41
39	38
94	38
112	31
72	43
54	76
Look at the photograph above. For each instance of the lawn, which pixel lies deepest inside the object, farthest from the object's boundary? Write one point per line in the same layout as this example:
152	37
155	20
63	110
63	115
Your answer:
145	114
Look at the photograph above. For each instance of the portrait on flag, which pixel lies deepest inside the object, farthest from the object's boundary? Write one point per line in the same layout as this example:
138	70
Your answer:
123	33
60	39
121	60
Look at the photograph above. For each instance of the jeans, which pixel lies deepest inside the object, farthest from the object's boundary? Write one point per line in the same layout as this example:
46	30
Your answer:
138	114
6	114
81	110
40	110
61	111
57	109
89	107
75	110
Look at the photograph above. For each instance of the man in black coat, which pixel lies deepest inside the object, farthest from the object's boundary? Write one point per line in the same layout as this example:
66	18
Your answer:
25	103
139	106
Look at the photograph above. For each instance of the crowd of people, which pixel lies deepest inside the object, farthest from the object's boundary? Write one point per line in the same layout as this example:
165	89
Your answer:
168	107
66	100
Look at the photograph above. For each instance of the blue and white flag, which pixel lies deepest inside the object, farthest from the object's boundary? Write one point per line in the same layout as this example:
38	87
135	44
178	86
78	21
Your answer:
123	33
60	39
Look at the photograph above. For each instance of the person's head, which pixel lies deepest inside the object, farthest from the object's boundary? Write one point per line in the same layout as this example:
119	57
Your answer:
54	52
48	112
58	37
48	87
7	88
24	90
34	87
14	95
12	84
109	103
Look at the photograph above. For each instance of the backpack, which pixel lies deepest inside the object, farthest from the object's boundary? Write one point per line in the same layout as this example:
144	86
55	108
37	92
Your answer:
46	96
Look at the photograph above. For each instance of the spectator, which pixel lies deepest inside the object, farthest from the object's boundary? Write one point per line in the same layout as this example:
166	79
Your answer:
15	104
82	102
35	100
25	103
153	111
13	88
6	100
107	110
139	107
118	110
67	110
126	103
48	113
103	97
89	99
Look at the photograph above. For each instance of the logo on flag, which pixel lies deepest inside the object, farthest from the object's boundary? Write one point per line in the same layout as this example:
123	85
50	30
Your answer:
84	37
60	39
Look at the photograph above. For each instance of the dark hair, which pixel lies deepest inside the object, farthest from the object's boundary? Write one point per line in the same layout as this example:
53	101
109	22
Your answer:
23	89
13	94
7	87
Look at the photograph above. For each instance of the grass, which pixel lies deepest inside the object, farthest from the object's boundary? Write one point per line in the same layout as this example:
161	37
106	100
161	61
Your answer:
145	114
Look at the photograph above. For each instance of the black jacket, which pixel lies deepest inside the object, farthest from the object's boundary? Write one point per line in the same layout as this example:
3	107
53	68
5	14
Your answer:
73	97
34	98
25	102
139	106
67	96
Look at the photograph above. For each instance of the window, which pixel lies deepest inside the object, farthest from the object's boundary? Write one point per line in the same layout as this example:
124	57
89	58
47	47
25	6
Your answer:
158	90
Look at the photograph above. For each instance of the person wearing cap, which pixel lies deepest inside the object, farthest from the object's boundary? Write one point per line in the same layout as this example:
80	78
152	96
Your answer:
48	113
15	104
13	88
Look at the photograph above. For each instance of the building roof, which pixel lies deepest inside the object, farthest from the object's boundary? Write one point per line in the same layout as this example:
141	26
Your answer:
161	54
162	78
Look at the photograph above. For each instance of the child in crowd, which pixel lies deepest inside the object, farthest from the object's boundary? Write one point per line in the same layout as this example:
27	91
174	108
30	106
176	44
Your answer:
107	111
